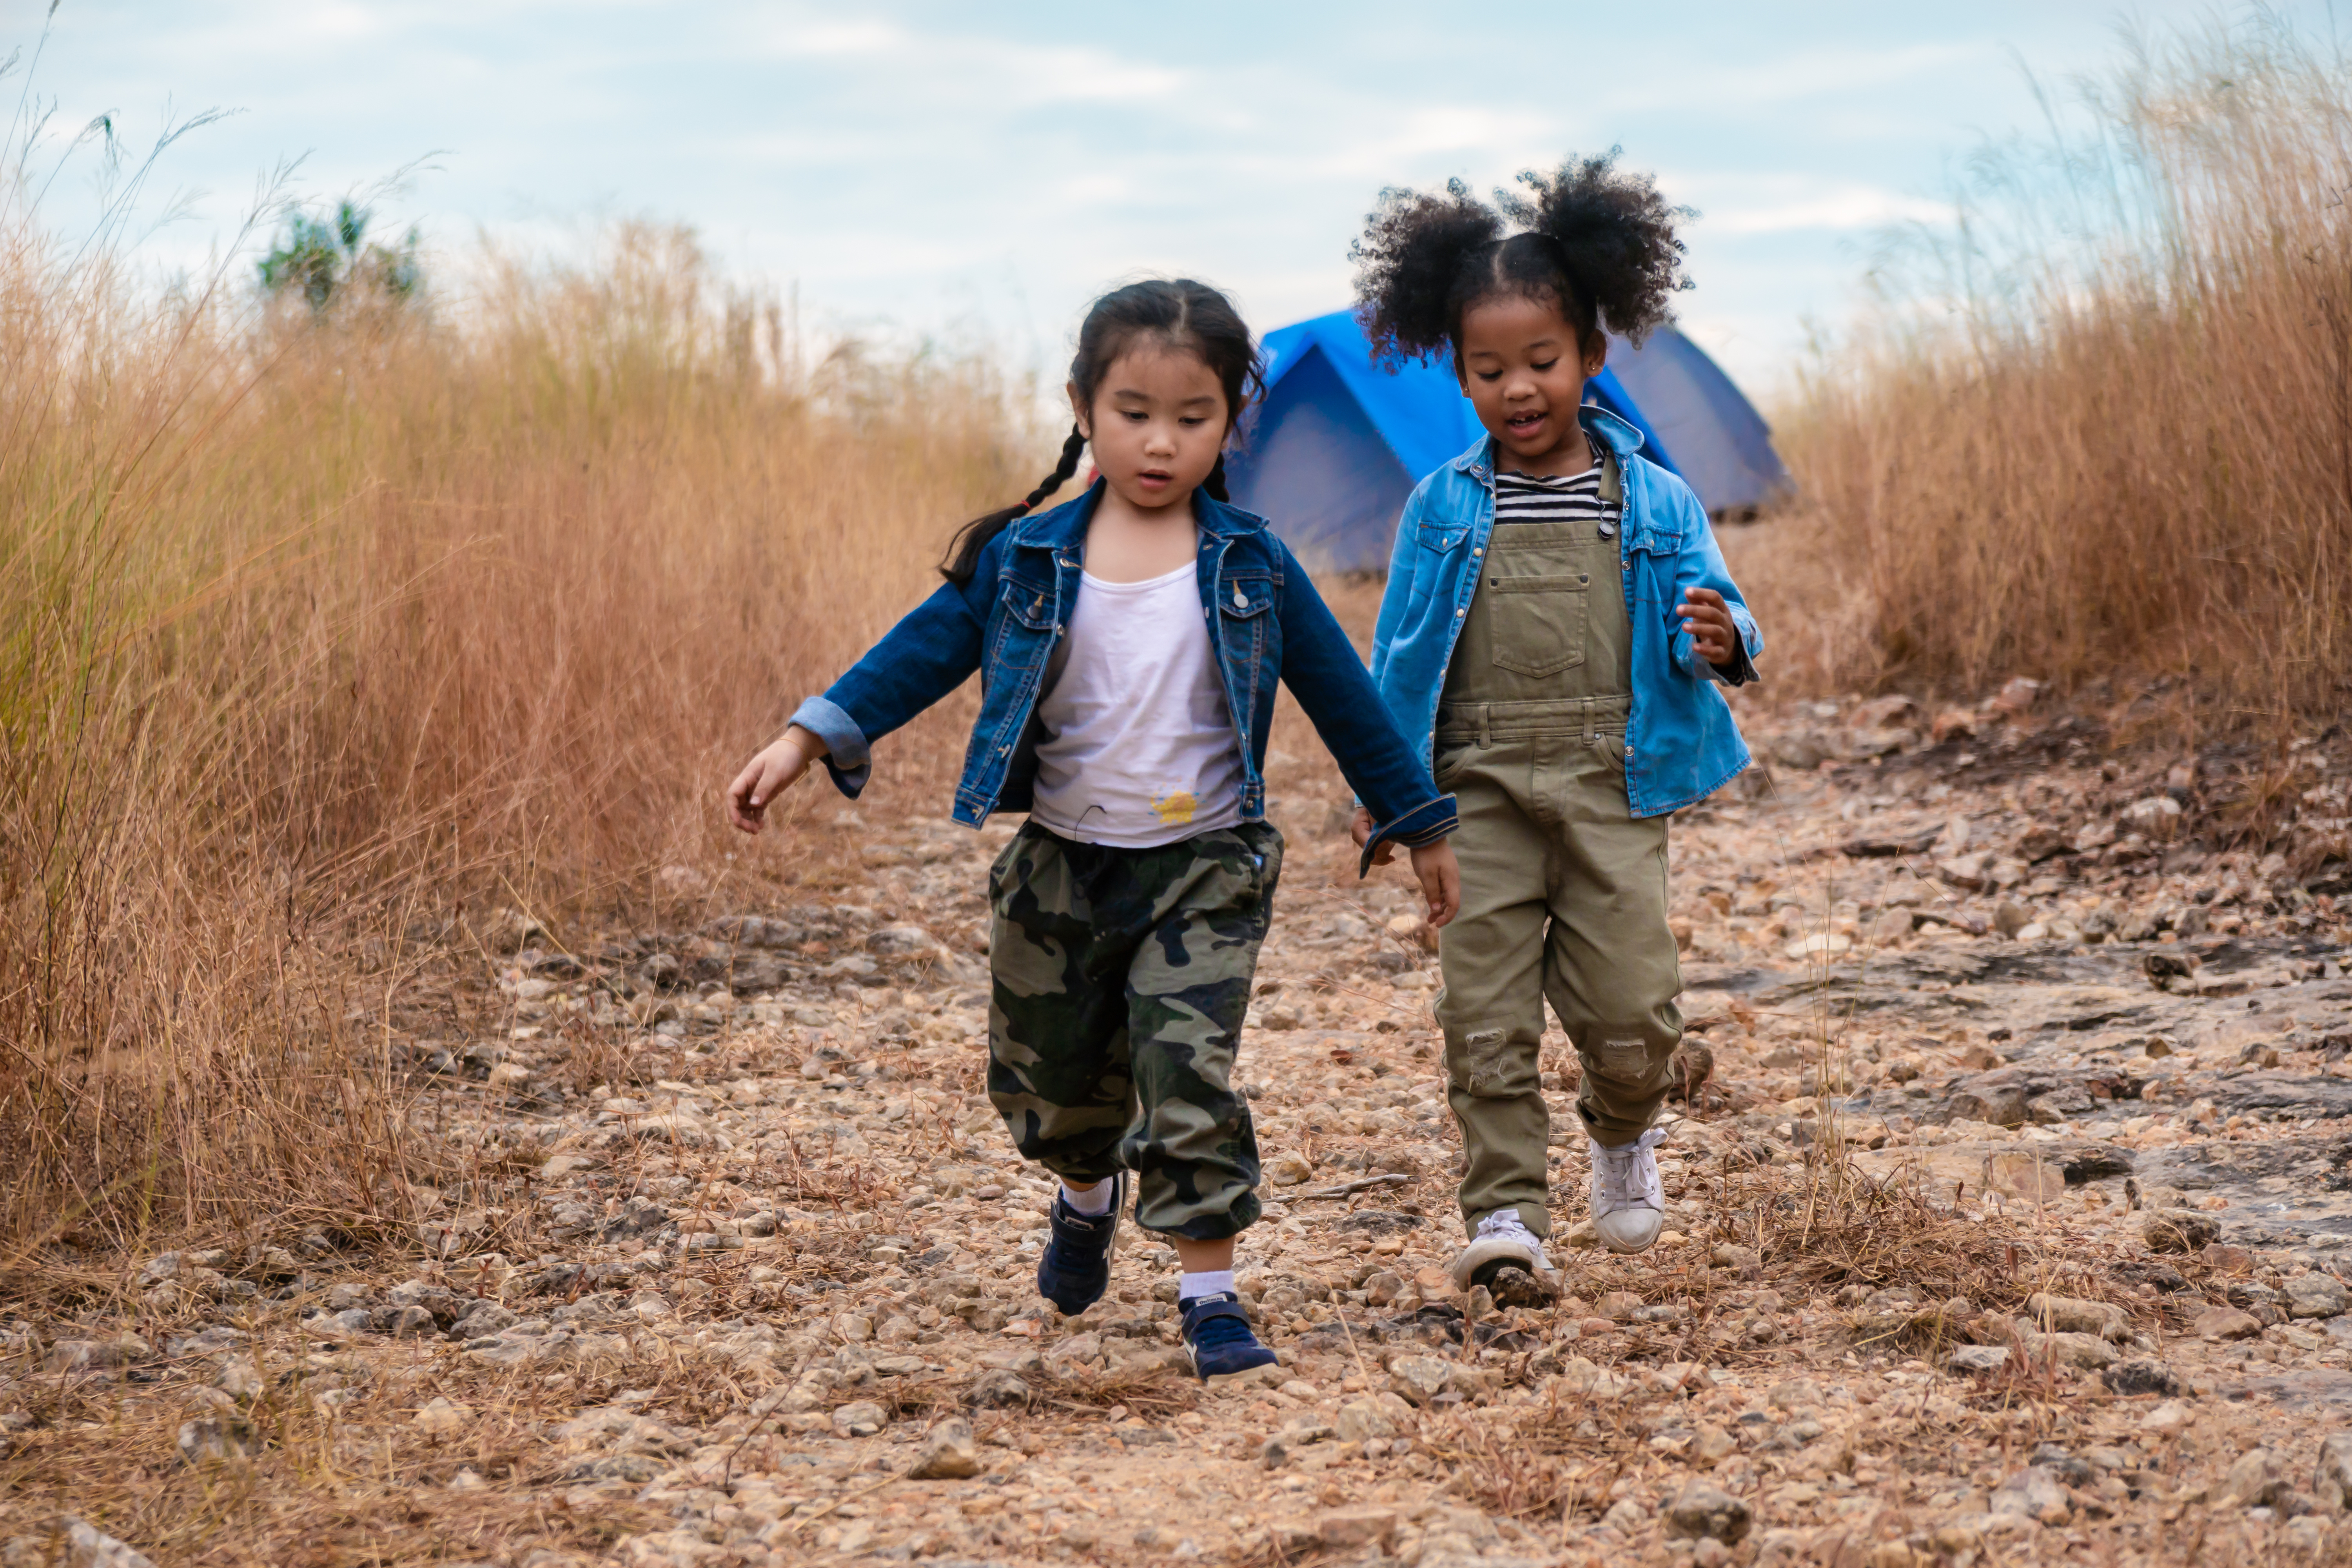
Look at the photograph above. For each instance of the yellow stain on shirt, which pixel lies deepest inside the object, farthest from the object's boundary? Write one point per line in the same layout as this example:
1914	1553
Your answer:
1177	807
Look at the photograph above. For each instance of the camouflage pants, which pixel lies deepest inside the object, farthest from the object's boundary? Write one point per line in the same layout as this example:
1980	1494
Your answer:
1120	980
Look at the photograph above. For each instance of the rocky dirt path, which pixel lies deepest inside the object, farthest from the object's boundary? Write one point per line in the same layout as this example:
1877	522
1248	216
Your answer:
2006	1228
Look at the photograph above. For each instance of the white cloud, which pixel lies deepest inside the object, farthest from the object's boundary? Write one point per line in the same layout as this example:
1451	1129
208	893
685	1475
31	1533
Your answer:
1849	207
923	162
836	38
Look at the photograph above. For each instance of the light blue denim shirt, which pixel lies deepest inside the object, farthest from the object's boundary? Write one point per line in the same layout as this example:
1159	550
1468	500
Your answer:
1681	743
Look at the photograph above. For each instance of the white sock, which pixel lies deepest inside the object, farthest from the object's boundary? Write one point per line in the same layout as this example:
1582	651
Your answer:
1092	1201
1212	1282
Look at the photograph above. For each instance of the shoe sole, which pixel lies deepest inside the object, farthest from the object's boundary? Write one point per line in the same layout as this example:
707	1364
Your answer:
1627	1251
1512	1285
1220	1379
1492	1249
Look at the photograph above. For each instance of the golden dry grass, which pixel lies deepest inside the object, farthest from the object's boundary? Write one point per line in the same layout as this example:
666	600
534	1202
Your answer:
319	638
2109	429
317	633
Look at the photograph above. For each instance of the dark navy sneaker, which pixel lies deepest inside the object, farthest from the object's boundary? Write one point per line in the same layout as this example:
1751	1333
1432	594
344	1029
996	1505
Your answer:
1076	1269
1217	1333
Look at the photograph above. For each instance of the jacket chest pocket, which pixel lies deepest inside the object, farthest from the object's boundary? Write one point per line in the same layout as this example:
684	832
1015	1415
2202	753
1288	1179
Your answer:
1536	623
1440	537
1024	628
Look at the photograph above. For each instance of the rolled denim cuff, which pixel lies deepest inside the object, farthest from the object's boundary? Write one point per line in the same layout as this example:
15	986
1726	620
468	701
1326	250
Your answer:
846	757
1423	825
1742	670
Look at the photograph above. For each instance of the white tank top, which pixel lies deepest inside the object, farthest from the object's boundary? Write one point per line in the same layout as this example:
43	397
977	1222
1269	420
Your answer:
1138	747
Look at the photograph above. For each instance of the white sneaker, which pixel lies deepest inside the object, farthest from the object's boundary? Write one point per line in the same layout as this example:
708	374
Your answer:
1506	1257
1629	1206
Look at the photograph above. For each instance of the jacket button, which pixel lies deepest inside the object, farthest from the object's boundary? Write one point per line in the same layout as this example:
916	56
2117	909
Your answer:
1475	553
1457	614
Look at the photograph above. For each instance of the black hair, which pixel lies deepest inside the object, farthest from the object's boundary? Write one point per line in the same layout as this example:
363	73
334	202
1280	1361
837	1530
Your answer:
1178	312
1598	242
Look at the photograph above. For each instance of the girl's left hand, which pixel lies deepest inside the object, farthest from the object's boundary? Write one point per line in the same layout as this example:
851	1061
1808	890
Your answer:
1708	620
1360	827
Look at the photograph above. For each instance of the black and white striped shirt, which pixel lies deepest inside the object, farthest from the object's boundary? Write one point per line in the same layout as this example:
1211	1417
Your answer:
1524	498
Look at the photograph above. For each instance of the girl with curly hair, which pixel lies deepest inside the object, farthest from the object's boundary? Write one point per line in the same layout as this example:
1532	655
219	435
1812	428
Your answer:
1556	620
1127	644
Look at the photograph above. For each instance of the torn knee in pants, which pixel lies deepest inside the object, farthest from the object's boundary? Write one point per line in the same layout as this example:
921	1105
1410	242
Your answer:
1626	1053
1490	1064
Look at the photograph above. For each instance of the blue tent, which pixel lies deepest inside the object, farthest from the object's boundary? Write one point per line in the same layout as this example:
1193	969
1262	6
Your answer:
1339	443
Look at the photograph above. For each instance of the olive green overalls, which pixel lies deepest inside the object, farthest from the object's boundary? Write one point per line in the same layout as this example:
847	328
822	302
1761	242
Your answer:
1563	888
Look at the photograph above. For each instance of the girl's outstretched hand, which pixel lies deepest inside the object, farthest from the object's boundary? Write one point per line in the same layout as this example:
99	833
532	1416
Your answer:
769	774
1708	620
1441	880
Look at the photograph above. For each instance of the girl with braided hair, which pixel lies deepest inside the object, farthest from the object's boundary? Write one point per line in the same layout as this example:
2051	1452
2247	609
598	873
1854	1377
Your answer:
1128	644
1556	622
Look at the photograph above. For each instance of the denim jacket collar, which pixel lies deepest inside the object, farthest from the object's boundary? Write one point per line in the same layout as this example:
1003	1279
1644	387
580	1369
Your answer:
1065	525
1620	438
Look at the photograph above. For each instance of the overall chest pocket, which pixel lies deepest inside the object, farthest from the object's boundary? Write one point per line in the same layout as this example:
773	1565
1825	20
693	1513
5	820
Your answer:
1536	623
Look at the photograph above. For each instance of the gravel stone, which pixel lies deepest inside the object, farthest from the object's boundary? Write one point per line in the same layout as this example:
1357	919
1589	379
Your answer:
949	1453
1700	1510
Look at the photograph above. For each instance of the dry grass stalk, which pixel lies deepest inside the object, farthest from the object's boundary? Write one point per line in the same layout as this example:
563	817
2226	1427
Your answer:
316	633
2111	433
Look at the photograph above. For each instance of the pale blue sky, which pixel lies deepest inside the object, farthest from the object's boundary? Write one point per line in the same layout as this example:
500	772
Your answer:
983	171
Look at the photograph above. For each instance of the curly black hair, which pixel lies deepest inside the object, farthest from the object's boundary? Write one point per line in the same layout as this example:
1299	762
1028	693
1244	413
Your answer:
1597	242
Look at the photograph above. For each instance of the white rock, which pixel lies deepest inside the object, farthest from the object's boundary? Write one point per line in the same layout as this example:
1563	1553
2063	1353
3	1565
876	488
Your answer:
441	1417
90	1547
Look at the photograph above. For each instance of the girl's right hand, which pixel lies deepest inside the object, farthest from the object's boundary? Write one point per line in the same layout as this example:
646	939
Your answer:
769	774
1360	827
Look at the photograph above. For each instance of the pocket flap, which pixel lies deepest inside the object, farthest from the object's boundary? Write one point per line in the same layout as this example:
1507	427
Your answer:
1029	603
1567	583
1243	596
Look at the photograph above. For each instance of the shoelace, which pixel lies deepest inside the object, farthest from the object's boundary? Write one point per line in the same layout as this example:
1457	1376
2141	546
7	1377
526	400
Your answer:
1222	1331
1504	1224
1626	1178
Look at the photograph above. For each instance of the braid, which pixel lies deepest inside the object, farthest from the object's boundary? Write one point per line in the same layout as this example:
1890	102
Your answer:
963	550
1062	470
1215	484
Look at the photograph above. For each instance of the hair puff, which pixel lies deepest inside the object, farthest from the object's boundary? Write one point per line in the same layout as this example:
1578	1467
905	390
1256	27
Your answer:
1414	247
1599	242
1616	233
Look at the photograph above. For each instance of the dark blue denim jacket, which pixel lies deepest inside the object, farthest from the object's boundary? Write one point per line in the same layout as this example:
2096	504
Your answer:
1266	622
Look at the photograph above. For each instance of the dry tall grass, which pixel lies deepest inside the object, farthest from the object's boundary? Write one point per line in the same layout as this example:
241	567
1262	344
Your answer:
2109	429
310	628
